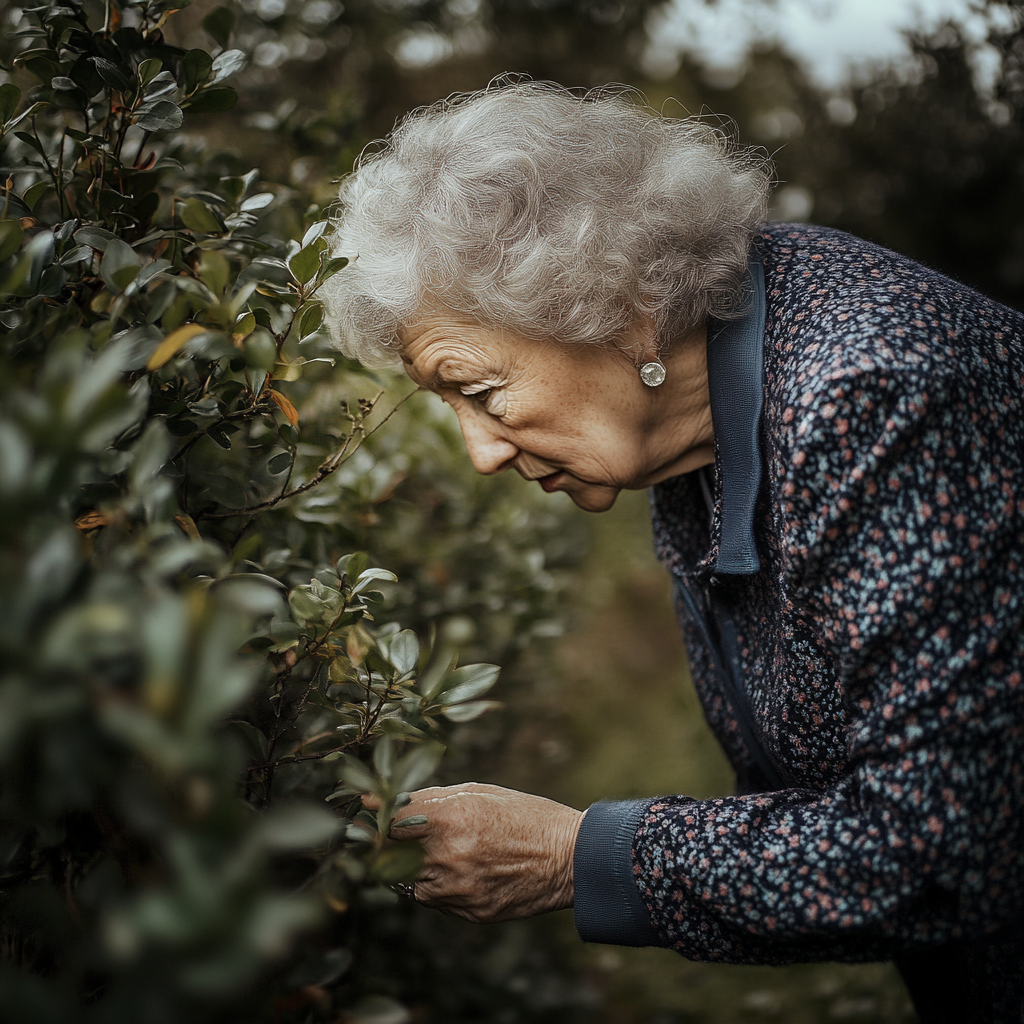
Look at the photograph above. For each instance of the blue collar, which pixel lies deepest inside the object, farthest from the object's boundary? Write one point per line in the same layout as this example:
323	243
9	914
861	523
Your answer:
736	385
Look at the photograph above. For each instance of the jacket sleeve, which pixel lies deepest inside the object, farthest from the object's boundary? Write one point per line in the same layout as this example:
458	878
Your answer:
908	559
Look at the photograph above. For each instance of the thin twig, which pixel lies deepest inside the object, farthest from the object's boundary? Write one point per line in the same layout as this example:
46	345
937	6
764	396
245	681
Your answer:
298	758
364	734
325	469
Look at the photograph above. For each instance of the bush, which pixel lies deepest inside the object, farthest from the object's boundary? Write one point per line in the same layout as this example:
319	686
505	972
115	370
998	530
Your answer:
202	663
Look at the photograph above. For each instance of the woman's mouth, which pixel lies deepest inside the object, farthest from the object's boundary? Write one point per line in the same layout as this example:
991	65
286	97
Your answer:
551	481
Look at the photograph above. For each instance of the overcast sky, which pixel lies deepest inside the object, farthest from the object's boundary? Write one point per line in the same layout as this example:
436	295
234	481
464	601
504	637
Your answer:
830	36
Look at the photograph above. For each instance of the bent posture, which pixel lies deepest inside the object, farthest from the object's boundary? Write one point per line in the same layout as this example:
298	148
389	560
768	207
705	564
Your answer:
833	437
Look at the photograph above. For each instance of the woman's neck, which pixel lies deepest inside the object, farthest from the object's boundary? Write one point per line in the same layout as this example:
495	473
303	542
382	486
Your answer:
679	436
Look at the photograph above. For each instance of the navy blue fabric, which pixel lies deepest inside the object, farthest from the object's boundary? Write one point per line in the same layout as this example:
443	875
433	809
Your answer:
606	904
736	366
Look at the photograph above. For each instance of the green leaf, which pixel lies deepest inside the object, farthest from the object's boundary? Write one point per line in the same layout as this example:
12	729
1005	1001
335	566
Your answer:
467	712
311	320
353	564
120	265
279	463
32	142
215	271
213	101
112	74
149	69
163	115
196	67
468	682
263	317
402	649
10	96
305	263
260	351
331	266
94	237
384	757
257	202
230	62
11	235
219	24
78	254
34	193
417	766
313	603
243	326
436	675
198	216
367	576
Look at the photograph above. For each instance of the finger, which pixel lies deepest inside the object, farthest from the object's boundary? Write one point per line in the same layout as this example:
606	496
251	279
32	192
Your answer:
370	801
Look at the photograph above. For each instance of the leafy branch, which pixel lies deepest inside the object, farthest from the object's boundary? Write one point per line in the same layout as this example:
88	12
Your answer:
328	466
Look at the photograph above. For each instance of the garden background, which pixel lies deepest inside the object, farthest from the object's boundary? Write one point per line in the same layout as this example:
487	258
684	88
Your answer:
237	569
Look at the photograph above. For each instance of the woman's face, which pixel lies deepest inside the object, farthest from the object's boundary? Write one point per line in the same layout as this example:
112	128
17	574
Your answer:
575	418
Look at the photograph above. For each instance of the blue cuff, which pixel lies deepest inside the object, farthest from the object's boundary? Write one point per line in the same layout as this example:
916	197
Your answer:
606	902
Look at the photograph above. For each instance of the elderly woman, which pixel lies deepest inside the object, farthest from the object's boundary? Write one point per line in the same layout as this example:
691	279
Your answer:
833	438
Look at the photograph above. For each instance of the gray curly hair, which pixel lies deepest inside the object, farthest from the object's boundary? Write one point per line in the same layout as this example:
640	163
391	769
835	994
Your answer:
531	208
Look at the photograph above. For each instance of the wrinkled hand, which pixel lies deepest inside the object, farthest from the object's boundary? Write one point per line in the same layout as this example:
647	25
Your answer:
491	854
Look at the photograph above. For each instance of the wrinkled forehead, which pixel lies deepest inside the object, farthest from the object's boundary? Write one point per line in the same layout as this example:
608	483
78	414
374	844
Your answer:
439	349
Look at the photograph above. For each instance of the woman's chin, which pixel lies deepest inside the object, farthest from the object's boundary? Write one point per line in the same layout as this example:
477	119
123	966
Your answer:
589	497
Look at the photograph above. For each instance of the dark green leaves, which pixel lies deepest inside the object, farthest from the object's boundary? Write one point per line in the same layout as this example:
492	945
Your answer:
148	70
332	266
120	265
279	463
311	319
195	69
305	263
199	216
112	74
169	440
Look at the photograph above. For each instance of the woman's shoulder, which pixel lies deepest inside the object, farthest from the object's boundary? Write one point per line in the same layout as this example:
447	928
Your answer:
839	307
814	269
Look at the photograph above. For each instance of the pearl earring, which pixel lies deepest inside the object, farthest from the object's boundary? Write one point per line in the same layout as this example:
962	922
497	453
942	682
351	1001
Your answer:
653	373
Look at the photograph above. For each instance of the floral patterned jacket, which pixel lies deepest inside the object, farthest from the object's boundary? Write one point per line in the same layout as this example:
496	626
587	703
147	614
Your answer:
861	575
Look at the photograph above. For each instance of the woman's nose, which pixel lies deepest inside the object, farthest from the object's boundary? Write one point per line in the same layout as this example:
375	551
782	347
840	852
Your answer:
488	450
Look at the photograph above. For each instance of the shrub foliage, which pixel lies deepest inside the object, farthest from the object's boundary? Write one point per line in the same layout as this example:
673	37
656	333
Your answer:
201	667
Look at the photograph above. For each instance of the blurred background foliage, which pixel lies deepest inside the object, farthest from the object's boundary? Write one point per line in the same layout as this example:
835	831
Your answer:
134	883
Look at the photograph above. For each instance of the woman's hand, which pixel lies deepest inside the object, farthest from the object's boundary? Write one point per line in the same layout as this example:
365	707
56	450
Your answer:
491	854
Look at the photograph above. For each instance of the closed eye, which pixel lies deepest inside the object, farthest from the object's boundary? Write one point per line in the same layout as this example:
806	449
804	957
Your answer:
488	394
